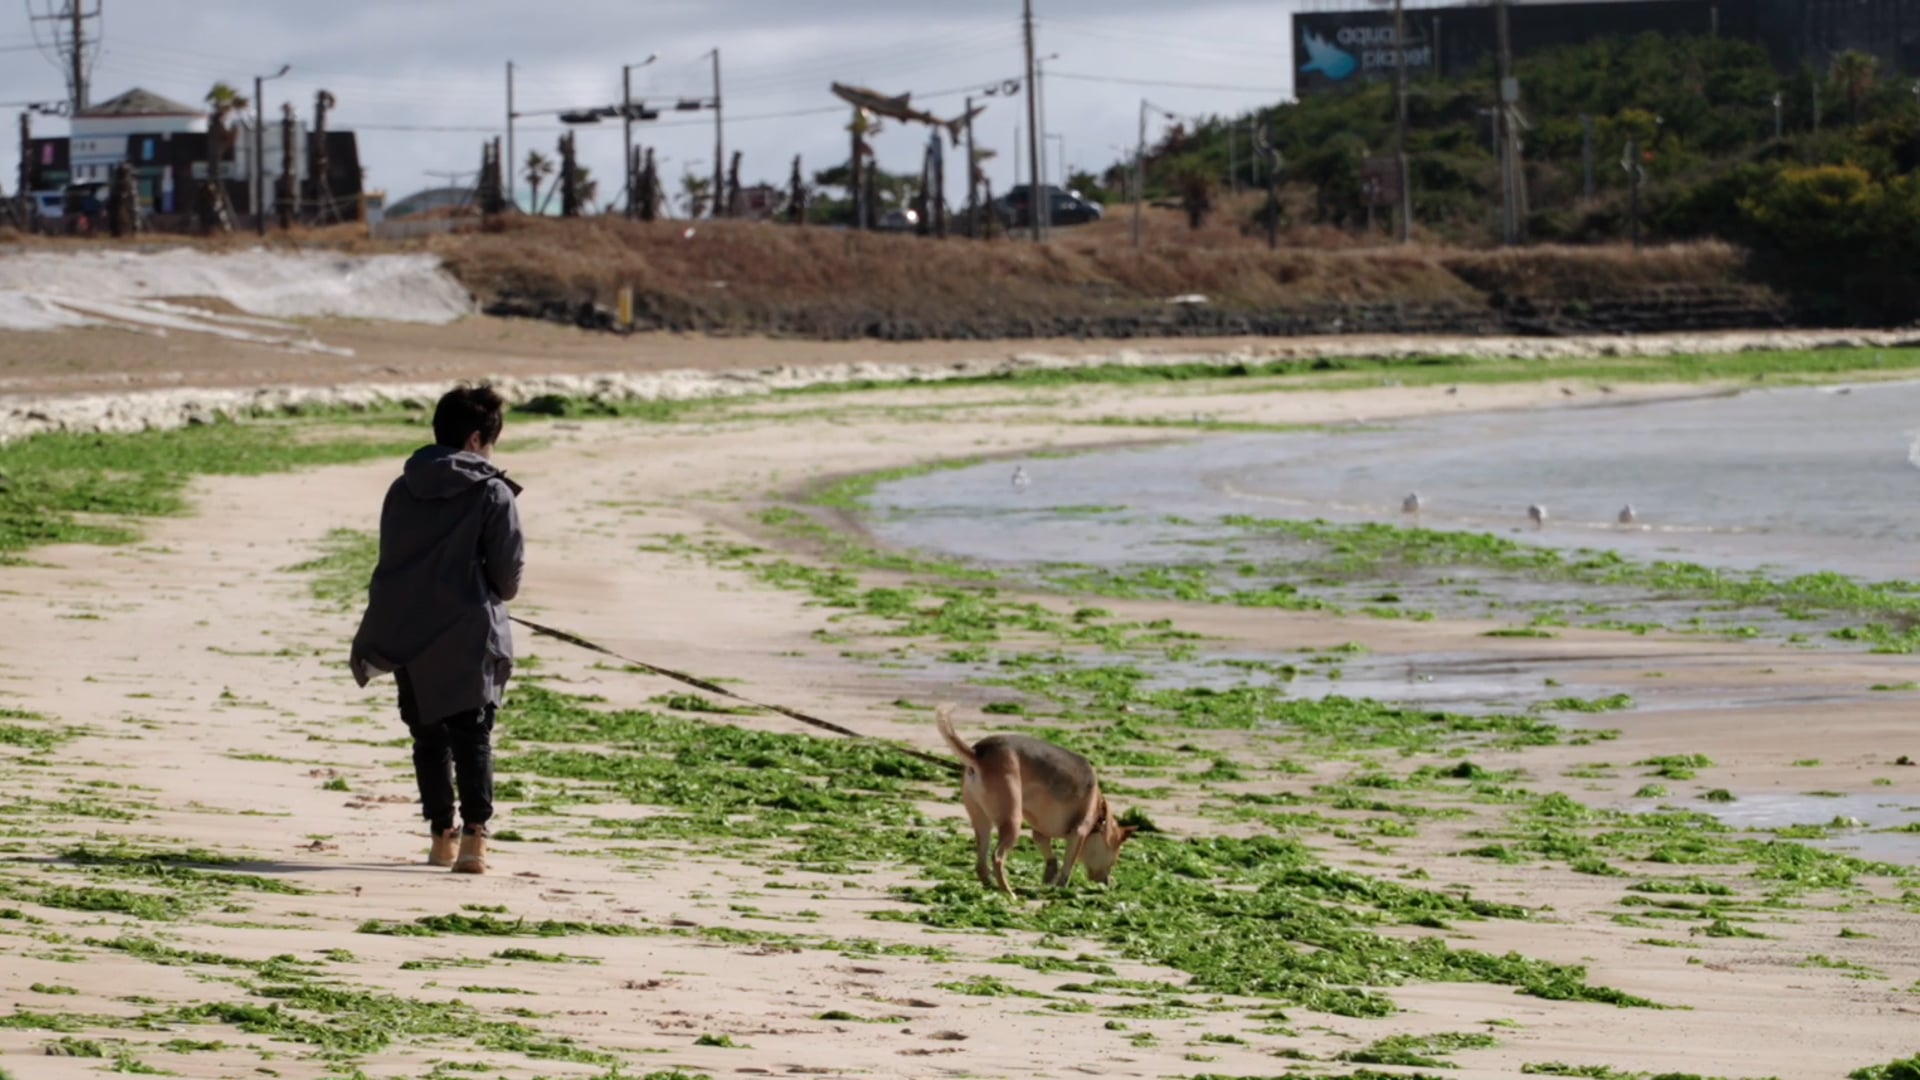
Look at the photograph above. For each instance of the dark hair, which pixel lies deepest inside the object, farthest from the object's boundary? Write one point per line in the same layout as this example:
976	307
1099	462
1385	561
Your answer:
465	410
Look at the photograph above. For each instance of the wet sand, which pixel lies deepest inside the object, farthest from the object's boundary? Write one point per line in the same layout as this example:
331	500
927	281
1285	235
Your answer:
203	672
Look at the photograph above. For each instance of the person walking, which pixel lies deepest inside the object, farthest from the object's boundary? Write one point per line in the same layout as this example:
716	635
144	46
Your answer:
451	556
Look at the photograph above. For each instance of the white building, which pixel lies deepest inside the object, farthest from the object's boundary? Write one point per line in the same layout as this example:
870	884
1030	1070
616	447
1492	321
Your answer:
165	141
132	126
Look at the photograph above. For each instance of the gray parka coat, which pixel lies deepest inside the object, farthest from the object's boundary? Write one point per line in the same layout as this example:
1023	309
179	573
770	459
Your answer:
451	554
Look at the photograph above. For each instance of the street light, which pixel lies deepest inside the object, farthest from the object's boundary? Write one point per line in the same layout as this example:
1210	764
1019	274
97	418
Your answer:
719	139
1140	165
1039	207
626	114
259	145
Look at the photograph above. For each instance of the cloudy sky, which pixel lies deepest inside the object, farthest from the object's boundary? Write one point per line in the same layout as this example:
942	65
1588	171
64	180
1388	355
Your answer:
423	81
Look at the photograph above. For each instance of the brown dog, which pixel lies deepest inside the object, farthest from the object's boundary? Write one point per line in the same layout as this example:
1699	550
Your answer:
1011	778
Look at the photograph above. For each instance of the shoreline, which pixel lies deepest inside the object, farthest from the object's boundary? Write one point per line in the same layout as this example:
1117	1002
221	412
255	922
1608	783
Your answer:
24	412
201	643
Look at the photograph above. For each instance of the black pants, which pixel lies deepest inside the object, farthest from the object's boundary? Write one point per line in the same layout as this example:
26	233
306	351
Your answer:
460	746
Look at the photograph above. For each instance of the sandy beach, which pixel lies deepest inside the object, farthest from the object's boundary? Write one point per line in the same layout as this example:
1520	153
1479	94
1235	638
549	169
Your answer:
190	696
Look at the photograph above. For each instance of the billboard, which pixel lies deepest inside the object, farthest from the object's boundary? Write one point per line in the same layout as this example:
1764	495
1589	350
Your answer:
1332	50
1335	50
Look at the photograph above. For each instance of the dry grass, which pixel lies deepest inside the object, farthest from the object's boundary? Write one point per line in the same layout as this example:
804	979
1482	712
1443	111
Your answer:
825	281
1565	273
819	282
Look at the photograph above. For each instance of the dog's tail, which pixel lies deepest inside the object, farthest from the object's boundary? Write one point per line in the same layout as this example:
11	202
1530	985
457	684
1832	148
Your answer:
944	717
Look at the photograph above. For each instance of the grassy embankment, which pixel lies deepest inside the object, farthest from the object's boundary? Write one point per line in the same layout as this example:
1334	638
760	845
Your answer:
822	283
738	277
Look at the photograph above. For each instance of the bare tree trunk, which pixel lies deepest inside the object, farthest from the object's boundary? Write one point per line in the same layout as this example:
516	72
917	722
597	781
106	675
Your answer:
650	189
326	211
286	189
731	206
569	179
797	195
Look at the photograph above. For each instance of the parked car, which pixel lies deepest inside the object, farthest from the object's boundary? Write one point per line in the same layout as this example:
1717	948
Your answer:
49	204
898	221
1068	207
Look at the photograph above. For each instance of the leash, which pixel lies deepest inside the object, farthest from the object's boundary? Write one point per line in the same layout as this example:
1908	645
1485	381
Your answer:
702	684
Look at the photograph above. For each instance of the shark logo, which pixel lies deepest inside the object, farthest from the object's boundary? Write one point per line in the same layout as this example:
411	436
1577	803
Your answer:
1327	58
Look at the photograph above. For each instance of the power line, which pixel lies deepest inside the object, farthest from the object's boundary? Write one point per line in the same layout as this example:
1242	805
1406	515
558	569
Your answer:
1194	45
1119	80
966	47
67	44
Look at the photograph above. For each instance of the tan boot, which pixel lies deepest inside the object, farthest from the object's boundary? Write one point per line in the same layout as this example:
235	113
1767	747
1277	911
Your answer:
444	845
473	851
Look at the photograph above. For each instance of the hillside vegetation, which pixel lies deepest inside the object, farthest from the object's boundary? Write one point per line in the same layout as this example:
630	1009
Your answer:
1832	217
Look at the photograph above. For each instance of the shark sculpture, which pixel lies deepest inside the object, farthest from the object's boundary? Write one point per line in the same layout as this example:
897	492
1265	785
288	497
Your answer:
1327	58
901	108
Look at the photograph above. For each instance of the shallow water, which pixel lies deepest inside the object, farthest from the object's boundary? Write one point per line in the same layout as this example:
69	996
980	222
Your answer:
1795	479
1873	812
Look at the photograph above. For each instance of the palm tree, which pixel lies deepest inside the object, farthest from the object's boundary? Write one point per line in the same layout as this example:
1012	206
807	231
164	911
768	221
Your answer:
585	187
224	102
694	193
1853	72
539	167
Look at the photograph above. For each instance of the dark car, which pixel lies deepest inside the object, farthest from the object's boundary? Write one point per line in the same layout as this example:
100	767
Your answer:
1069	207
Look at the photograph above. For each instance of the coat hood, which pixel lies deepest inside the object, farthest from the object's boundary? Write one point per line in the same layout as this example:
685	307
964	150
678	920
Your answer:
437	472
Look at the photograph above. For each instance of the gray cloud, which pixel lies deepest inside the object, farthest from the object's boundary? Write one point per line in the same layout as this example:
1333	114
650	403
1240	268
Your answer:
424	81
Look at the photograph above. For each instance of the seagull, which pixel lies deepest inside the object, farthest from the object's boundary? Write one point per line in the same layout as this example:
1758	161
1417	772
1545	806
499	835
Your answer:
1627	516
1020	478
1411	504
1538	515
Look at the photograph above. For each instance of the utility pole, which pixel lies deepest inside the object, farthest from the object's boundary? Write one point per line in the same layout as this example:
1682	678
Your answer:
856	172
1400	122
1586	154
939	186
1047	180
1140	174
1272	154
79	56
1779	121
1509	98
513	163
259	207
74	29
719	140
26	159
626	129
1233	162
972	175
1035	196
1632	164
